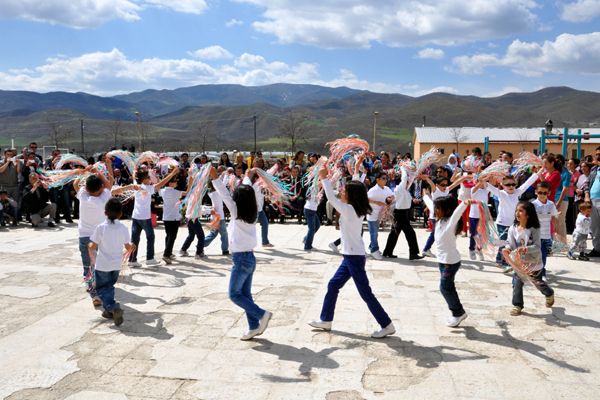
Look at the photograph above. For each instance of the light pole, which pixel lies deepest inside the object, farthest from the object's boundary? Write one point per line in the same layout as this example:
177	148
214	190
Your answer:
254	118
375	114
138	115
82	126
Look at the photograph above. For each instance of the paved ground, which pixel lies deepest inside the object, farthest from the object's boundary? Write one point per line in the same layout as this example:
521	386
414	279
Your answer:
180	338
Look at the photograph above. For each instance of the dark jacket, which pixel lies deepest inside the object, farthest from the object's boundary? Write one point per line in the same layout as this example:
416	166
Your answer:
36	201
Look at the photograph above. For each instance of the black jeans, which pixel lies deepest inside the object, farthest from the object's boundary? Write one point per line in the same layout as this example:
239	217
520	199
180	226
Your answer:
402	224
194	230
517	298
448	289
171	228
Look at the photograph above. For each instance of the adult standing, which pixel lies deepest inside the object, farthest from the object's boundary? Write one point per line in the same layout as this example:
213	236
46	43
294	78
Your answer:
560	199
10	167
592	194
572	211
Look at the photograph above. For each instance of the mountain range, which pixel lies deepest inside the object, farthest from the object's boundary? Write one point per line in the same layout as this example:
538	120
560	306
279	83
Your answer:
219	117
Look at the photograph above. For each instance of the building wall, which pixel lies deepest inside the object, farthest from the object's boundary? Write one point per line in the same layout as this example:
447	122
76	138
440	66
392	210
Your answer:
495	148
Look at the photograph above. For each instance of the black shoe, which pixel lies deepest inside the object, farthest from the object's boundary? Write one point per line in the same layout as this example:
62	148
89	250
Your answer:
107	314
225	253
593	253
51	224
2	223
389	256
69	221
583	257
118	316
416	257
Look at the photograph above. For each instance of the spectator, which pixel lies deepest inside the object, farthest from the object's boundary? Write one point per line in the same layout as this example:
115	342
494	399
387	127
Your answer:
36	202
224	160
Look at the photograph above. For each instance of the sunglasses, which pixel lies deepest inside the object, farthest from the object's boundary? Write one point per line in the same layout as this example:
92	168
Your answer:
542	193
509	184
442	185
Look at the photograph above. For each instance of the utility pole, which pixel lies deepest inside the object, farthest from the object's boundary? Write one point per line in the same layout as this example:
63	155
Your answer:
375	114
254	118
82	146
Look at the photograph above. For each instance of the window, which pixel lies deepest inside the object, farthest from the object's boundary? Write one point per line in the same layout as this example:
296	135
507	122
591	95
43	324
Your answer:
441	150
574	153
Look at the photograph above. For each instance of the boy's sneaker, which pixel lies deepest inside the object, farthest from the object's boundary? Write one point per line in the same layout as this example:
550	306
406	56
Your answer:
172	256
383	332
225	253
107	314
333	247
134	264
167	260
377	255
96	301
264	322
118	316
268	245
428	253
583	257
199	256
453	321
571	256
51	224
250	334
325	325
549	301
152	262
480	255
183	253
507	270
516	310
472	255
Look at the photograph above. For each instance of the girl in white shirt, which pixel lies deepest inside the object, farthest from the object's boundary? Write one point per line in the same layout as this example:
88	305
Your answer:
352	206
242	241
448	226
217	204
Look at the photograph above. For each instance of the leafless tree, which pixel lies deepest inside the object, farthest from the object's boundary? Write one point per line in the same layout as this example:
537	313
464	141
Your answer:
56	134
523	137
117	130
294	129
457	136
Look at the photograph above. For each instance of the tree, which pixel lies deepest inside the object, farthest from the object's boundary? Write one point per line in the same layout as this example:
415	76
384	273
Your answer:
457	136
116	130
294	129
56	134
523	137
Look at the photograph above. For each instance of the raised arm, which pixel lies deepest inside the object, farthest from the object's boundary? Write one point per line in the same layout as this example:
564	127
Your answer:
429	204
530	181
457	182
493	189
455	217
166	179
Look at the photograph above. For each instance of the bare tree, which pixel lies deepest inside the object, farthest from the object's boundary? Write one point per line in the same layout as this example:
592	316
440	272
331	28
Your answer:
457	136
56	134
294	129
117	130
523	137
202	129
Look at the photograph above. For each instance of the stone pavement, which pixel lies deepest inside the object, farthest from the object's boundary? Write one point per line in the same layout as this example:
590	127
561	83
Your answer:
180	338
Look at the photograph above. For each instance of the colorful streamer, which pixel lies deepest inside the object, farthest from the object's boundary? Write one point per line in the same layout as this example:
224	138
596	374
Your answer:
149	157
128	160
70	159
193	200
310	180
488	238
427	159
277	190
342	147
498	169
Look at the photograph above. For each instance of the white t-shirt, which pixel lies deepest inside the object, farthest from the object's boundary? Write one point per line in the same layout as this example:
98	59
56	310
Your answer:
110	238
545	212
482	195
217	203
171	197
91	211
143	200
378	193
583	224
312	202
350	224
445	234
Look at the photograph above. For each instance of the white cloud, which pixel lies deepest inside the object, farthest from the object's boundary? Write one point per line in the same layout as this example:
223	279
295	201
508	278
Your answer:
233	22
356	23
580	10
434	54
212	53
88	13
567	54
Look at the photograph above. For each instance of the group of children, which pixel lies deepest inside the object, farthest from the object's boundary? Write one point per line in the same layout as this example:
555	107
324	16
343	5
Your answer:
524	226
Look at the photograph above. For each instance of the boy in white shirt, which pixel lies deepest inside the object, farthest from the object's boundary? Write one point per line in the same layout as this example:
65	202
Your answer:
171	216
547	213
582	230
379	196
217	203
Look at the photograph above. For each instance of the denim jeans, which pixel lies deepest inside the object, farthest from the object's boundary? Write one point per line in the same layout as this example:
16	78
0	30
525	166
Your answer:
240	286
137	226
546	245
402	223
517	283
171	229
473	222
105	286
194	230
431	238
373	232
221	231
85	260
314	223
353	267
503	233
448	289
264	226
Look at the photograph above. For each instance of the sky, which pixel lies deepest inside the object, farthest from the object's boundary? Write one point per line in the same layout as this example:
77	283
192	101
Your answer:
476	47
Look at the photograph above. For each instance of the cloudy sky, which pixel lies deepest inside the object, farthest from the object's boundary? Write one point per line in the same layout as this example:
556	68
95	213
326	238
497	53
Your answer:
479	47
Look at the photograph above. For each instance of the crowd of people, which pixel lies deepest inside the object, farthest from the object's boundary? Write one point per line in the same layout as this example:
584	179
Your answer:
531	209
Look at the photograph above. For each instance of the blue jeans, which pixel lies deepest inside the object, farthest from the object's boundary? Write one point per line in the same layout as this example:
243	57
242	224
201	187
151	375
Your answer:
105	286
517	283
264	226
448	289
240	286
194	230
473	222
85	260
353	267
431	238
503	233
221	231
373	232
314	223
546	245
137	226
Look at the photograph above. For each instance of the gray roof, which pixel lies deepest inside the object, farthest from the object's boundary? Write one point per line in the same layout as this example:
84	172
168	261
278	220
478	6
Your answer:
477	135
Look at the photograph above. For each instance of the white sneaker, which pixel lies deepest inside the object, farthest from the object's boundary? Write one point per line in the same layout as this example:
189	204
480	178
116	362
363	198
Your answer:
472	255
152	262
480	255
377	255
453	322
134	264
333	247
383	332
183	253
264	322
250	334
325	325
428	253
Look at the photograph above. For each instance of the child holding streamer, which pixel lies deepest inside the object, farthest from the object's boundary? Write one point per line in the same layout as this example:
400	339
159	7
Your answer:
171	215
251	179
524	236
353	206
479	194
449	224
109	239
242	240
547	213
217	203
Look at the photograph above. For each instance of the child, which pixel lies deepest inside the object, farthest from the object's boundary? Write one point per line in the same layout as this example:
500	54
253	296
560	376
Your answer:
353	206
313	221
92	199
508	198
171	216
439	189
242	240
141	217
379	196
251	180
524	235
480	194
546	212
448	226
581	232
217	203
109	238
